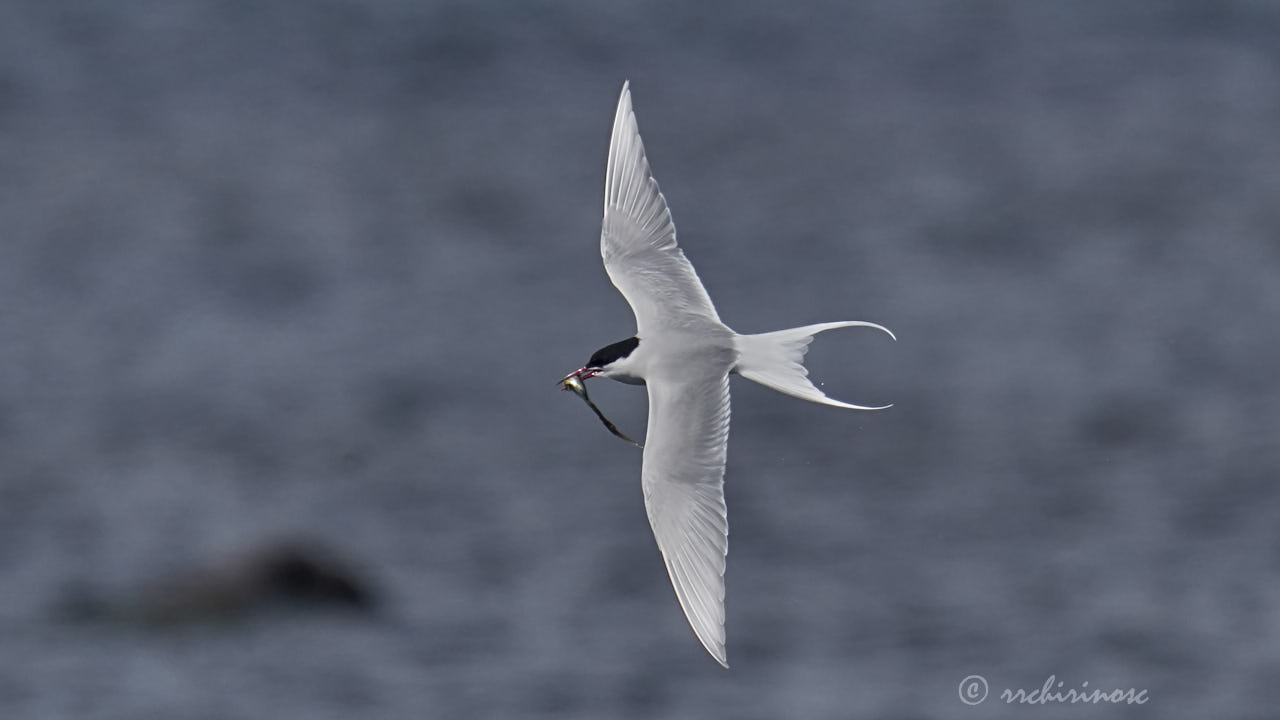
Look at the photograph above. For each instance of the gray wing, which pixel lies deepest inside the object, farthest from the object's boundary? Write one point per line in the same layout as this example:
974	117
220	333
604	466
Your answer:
683	478
638	239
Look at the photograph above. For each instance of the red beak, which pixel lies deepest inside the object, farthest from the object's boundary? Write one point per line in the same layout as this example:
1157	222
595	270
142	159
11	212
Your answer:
582	373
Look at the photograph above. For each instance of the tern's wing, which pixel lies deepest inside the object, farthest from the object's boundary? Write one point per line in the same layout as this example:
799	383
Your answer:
684	456
638	239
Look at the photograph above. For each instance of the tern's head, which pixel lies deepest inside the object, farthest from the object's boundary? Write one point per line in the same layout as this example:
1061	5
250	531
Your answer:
610	361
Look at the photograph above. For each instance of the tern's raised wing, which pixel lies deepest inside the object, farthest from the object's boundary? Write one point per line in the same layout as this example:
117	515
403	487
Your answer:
684	456
638	239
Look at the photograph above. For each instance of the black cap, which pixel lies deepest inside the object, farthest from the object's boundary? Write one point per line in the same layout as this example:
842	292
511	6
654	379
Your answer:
612	353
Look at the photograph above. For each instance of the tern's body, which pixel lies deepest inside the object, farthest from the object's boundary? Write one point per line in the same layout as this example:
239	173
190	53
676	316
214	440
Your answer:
684	354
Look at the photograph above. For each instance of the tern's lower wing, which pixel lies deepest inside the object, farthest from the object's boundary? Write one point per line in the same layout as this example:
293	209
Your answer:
684	458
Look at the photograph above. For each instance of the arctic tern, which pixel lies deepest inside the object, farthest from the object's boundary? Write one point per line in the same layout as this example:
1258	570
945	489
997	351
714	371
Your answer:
683	354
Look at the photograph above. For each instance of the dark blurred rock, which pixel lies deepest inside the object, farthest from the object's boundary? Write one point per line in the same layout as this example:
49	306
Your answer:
288	576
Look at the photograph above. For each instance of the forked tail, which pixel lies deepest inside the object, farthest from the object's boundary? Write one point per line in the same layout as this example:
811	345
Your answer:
776	360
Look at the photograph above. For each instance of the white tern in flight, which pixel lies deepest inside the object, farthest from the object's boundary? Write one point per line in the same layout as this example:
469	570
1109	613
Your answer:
683	354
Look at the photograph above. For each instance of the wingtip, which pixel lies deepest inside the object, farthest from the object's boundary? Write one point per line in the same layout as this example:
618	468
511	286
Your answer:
717	652
624	111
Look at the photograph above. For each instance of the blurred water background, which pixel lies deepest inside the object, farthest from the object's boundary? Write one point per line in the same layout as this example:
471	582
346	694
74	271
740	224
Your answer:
306	272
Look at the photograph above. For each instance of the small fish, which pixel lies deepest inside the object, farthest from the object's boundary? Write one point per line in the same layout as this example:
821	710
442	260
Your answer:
574	383
579	388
